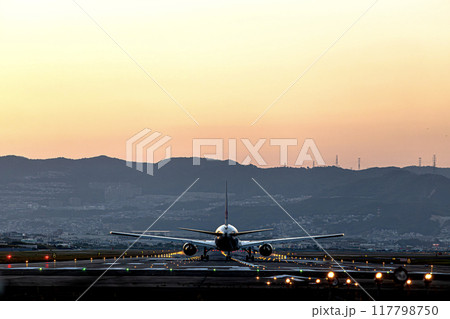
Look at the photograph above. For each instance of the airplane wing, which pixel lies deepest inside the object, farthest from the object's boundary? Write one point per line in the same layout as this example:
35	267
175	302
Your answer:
199	242
233	234
199	231
250	243
251	231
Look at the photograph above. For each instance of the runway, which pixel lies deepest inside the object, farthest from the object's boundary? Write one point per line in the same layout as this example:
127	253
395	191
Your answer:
174	276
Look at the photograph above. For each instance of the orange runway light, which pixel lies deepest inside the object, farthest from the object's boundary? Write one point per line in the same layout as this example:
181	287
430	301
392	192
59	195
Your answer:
330	275
409	282
268	283
348	281
288	281
428	277
378	276
317	281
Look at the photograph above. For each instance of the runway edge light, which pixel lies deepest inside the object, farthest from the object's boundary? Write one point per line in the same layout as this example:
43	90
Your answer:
378	277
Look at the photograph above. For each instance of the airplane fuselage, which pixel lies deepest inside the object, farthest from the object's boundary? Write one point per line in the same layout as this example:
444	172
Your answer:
227	241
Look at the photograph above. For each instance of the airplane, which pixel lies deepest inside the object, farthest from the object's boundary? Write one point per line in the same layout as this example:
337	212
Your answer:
227	239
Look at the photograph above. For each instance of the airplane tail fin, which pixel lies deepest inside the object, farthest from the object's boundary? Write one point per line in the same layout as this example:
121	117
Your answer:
226	204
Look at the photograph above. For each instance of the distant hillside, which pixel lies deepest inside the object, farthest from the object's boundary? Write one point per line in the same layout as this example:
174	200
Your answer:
401	198
444	171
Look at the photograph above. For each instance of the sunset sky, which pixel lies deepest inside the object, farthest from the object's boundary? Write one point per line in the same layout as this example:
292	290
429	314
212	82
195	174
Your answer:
382	92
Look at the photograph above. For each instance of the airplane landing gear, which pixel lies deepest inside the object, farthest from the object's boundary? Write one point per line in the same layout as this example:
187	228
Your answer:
204	257
249	257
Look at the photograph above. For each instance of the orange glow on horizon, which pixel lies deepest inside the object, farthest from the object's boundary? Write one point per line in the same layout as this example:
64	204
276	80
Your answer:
380	93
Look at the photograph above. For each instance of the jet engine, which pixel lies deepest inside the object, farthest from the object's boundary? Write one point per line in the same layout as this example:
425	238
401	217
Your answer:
265	250
189	249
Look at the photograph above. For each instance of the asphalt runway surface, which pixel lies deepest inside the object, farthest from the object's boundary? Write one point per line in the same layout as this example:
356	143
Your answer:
174	276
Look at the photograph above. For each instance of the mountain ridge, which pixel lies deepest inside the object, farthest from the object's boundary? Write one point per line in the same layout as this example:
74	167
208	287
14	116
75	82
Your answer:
406	197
